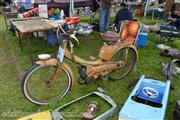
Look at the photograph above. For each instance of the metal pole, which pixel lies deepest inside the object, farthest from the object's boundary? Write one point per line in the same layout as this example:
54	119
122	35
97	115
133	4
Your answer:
71	8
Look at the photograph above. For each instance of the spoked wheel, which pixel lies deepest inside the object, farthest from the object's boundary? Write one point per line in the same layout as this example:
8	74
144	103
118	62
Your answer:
129	57
44	84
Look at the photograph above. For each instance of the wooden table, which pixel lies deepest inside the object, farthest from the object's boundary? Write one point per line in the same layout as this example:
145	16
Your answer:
9	15
30	25
35	24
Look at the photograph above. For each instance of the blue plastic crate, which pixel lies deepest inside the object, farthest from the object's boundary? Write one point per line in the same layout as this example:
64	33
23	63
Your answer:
52	35
54	16
25	4
142	39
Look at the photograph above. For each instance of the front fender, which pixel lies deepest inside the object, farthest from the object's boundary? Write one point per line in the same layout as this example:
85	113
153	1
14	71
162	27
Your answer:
53	61
70	71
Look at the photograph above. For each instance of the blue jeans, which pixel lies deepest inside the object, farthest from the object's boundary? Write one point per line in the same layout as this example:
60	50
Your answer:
104	19
118	27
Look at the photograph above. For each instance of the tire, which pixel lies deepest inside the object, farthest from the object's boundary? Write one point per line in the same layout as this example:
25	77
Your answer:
38	89
173	69
122	72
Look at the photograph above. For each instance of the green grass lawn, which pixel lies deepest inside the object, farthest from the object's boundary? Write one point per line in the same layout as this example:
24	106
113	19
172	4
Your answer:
14	63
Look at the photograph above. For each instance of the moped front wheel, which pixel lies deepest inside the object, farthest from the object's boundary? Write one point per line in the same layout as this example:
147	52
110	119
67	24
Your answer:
44	84
128	56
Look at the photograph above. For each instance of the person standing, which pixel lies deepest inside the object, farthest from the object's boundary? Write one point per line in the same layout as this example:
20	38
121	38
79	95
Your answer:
105	9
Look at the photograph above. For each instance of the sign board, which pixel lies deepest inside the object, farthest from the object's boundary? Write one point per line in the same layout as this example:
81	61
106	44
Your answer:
43	11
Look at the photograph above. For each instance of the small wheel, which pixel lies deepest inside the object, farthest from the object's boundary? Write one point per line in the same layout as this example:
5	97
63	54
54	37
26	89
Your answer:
43	84
129	57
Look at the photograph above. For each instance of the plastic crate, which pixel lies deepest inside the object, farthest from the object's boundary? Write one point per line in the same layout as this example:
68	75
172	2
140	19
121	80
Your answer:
25	4
72	19
50	36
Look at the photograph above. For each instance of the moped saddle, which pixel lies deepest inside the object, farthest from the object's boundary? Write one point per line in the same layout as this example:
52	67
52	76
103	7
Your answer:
110	36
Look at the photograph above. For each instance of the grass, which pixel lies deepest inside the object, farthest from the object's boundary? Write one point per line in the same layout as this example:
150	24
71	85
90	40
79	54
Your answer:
14	63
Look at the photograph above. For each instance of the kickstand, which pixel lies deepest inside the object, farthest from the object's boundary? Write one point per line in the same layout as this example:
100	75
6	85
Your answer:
80	81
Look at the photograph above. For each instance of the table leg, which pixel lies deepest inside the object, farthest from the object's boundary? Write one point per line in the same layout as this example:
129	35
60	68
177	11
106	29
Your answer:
53	41
20	42
30	50
52	37
90	17
37	34
5	21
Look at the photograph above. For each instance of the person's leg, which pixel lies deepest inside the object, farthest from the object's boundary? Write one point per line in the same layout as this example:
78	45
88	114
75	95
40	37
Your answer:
118	27
107	17
102	20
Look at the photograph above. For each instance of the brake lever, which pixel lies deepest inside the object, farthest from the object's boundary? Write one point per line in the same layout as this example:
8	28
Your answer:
74	37
68	34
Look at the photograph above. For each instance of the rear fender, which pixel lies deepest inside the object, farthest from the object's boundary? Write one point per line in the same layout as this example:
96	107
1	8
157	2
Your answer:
123	46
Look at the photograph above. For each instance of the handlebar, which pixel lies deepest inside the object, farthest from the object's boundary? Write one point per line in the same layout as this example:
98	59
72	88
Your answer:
68	34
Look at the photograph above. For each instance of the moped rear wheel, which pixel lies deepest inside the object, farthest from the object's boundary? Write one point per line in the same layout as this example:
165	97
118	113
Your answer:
128	56
44	84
